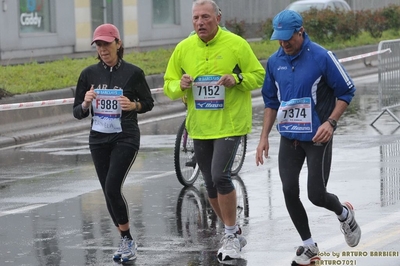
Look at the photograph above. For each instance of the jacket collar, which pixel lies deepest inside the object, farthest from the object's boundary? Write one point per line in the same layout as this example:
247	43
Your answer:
113	68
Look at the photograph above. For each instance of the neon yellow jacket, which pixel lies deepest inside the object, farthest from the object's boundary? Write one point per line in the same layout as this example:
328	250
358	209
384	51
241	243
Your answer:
217	57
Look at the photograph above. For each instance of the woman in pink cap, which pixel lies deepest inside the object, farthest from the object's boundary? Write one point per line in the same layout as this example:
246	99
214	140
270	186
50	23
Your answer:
115	92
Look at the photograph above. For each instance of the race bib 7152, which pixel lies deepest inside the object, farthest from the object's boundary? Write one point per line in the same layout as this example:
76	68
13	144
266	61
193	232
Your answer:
207	94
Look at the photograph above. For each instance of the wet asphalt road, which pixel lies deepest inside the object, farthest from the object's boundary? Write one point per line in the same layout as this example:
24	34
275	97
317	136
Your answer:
52	210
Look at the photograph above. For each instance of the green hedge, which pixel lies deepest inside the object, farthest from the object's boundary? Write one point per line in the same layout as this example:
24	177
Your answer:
329	25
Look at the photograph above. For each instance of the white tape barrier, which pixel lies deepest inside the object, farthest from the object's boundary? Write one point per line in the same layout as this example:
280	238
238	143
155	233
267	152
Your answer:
13	106
351	58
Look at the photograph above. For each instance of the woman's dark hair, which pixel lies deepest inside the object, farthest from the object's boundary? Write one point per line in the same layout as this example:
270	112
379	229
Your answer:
120	51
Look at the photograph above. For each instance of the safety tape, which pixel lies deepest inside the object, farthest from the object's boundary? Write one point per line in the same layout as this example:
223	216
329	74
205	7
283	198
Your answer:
25	105
351	58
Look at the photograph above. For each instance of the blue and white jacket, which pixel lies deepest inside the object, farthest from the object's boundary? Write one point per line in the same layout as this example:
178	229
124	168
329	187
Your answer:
313	78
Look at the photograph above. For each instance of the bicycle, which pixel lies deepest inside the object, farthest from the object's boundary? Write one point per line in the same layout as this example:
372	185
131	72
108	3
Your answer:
186	168
194	214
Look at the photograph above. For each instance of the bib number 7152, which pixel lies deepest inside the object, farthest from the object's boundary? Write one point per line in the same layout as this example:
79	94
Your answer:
210	90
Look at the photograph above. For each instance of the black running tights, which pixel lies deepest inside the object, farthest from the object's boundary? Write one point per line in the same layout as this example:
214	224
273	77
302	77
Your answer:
113	162
292	154
215	158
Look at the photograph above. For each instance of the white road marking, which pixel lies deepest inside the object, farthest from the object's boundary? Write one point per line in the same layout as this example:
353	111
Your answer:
22	209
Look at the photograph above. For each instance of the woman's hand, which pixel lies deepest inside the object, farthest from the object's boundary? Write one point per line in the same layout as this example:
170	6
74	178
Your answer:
126	104
90	95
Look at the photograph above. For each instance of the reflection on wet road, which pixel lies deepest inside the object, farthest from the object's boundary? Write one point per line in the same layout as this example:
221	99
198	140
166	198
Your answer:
52	210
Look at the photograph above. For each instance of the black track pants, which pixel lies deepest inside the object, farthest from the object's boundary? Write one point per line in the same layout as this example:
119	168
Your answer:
113	162
292	154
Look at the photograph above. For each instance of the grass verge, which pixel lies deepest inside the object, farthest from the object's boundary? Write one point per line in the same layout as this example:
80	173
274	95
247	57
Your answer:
35	77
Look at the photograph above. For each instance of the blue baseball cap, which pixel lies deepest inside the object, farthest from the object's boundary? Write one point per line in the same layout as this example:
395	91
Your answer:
286	23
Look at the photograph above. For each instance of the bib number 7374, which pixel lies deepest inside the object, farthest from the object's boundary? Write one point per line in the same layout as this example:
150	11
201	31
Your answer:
294	113
294	116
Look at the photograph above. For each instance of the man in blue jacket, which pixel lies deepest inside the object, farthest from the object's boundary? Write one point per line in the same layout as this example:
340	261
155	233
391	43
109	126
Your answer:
306	90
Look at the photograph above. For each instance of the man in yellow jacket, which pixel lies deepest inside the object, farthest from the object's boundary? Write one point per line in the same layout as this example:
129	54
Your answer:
216	71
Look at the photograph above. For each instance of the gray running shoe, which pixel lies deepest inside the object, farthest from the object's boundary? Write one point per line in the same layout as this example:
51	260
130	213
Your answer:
230	248
350	228
306	254
129	249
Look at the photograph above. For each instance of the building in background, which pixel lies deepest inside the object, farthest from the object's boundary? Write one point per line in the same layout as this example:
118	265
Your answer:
29	28
50	28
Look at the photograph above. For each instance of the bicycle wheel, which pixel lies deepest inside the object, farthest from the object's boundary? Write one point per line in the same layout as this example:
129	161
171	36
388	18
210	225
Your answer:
242	200
240	156
186	167
191	214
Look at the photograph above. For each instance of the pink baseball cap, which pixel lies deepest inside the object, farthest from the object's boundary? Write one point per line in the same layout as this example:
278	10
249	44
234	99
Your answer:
106	32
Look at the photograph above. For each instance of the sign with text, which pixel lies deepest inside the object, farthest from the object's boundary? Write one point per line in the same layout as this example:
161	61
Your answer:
34	16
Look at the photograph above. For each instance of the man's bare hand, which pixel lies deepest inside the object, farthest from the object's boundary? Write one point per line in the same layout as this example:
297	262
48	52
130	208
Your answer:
227	80
262	151
186	82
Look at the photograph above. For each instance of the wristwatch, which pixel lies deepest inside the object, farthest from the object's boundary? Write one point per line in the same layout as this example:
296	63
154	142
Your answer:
332	122
240	77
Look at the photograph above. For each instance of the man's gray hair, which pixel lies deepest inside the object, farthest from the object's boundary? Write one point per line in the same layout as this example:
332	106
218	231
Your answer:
202	2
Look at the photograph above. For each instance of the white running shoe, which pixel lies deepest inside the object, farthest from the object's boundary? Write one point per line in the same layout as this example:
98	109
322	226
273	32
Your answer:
242	239
350	228
129	249
230	248
305	255
117	254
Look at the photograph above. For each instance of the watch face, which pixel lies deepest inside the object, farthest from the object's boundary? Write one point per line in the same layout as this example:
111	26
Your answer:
332	122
